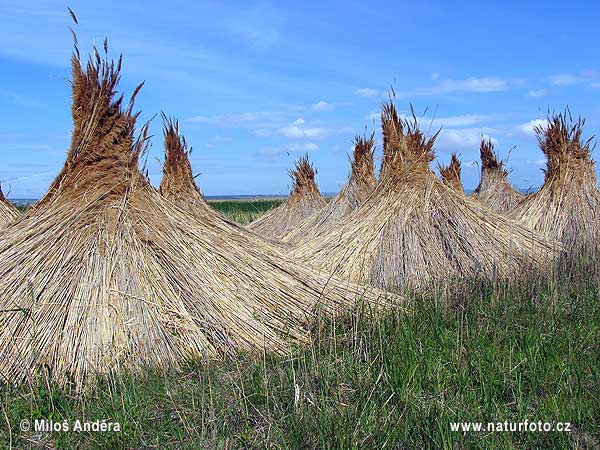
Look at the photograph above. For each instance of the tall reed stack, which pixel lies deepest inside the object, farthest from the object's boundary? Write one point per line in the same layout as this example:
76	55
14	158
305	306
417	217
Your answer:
451	174
567	206
178	183
413	231
105	274
494	189
360	184
304	200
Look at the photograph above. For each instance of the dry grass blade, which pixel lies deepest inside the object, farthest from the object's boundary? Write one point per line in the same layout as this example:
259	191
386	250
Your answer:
567	206
105	274
494	189
359	186
451	174
304	200
412	230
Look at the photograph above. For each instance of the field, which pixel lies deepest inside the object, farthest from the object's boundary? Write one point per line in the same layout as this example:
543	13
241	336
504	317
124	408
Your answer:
244	212
479	353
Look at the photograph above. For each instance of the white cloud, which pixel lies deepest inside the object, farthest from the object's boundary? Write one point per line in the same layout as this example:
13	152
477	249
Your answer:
366	92
267	124
210	145
299	130
464	139
223	138
529	127
259	119
323	106
200	119
565	79
261	132
537	93
292	147
471	85
435	76
463	120
590	77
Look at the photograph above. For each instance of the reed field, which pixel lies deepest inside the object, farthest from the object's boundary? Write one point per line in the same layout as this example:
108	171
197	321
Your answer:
485	352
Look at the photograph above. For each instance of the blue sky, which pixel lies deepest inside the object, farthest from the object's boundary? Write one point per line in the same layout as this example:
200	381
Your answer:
256	85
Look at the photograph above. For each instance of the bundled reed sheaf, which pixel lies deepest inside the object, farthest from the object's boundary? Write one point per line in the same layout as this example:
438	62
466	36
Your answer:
105	274
451	174
8	212
494	190
304	200
413	230
567	206
178	183
360	184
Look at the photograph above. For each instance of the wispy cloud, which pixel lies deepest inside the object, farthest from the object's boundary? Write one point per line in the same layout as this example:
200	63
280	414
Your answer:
463	120
366	92
589	77
537	93
260	25
467	85
322	106
19	99
292	147
250	120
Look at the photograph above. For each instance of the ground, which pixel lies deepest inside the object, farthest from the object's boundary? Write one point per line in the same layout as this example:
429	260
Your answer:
482	352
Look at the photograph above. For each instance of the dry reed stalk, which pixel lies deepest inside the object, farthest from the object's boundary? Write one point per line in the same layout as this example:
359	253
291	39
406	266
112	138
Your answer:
360	184
8	212
413	230
105	274
567	206
451	174
494	190
178	183
304	200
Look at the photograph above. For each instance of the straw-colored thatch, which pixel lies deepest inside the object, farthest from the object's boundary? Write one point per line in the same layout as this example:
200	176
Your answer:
414	230
304	200
567	206
360	184
494	190
451	174
178	183
179	187
8	212
105	274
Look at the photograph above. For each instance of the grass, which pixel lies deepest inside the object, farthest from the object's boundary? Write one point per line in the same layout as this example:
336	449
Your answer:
488	353
244	212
